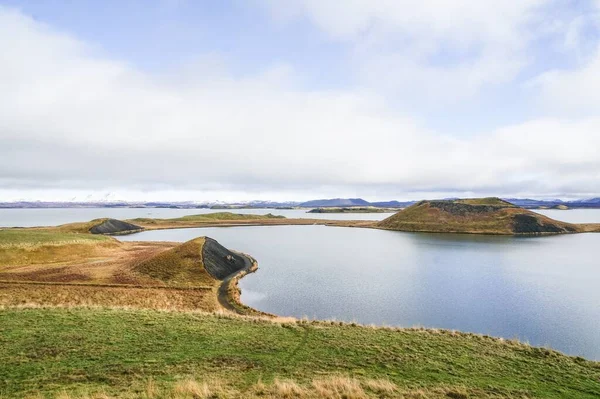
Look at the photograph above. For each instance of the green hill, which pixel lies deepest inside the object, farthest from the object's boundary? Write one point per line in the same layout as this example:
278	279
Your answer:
101	353
476	215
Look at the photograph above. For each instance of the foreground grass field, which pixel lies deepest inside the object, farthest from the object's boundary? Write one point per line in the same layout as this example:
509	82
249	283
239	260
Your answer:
78	352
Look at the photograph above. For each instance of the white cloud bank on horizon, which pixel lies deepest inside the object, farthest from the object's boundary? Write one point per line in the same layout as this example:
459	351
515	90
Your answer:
71	120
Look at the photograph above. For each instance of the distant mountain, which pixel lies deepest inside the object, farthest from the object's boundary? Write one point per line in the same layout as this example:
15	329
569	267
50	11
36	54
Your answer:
554	203
320	203
589	201
337	202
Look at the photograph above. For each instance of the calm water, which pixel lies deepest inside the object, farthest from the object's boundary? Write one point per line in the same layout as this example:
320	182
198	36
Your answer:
573	215
56	216
541	290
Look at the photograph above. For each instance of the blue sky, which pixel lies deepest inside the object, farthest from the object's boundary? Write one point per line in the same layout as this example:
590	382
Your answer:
439	89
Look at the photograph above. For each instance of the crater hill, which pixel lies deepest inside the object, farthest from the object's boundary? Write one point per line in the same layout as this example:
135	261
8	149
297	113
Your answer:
476	216
105	226
198	262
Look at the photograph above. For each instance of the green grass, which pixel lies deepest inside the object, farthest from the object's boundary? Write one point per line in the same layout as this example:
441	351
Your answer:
30	246
50	350
484	201
30	237
230	216
209	217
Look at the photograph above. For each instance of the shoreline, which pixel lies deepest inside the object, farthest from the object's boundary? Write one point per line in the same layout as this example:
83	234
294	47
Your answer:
229	294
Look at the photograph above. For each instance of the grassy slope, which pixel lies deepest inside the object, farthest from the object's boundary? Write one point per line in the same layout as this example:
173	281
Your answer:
79	227
180	266
32	238
28	246
55	349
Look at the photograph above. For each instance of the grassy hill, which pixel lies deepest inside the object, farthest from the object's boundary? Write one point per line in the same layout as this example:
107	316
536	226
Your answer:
217	218
78	352
353	209
98	226
477	215
198	262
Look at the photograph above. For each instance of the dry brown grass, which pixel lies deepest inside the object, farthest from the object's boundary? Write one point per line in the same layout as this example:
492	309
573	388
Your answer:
382	387
52	253
336	387
104	263
179	266
339	387
103	272
590	227
20	294
191	389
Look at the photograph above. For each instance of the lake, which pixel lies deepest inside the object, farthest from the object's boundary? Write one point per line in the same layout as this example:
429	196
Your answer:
572	215
541	290
56	216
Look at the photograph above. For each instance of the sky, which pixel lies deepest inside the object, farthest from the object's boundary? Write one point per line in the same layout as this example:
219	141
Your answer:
182	100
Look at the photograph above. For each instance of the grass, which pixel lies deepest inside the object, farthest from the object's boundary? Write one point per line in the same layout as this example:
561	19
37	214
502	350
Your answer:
180	266
484	201
29	246
208	217
80	227
96	295
133	353
27	238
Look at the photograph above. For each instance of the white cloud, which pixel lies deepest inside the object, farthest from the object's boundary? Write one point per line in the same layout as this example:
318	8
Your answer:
72	120
443	50
571	93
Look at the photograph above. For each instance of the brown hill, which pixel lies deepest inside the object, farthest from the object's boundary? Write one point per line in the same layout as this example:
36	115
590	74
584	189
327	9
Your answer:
477	216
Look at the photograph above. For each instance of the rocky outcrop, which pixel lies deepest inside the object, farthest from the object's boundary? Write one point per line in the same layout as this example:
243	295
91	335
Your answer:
220	262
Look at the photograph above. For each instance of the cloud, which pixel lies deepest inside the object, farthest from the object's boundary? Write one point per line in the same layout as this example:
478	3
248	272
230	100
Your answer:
570	93
444	51
71	119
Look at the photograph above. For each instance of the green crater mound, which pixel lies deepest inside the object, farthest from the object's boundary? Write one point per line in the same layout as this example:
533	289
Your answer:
476	216
198	262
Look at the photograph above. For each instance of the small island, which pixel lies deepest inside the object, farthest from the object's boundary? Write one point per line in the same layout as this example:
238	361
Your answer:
477	216
353	209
